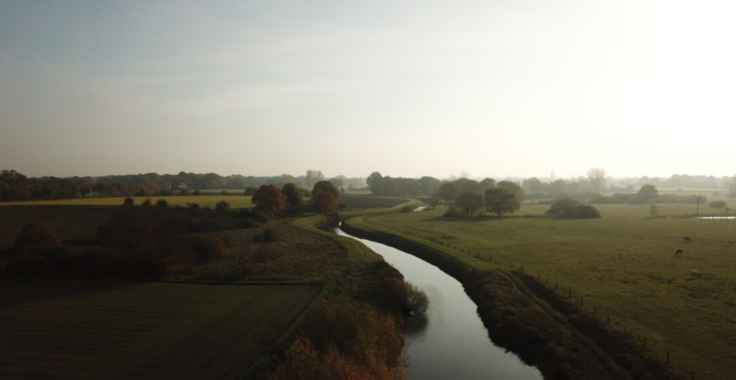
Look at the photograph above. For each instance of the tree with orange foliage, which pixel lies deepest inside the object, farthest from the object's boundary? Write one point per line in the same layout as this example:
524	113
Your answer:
325	196
269	199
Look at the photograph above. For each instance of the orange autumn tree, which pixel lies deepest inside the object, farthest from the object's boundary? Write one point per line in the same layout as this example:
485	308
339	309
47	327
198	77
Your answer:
269	199
325	196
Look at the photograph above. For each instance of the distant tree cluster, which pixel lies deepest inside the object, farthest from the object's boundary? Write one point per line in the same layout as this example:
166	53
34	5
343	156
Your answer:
647	194
401	187
16	187
478	197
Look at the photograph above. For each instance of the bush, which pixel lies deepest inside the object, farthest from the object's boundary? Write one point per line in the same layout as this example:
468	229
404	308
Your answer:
208	247
268	234
128	202
572	209
36	233
718	204
223	207
407	208
162	203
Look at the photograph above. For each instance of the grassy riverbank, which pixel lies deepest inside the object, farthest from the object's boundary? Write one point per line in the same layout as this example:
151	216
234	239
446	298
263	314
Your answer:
621	266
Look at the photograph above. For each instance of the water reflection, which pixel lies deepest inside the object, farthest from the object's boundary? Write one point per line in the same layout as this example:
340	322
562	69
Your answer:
451	341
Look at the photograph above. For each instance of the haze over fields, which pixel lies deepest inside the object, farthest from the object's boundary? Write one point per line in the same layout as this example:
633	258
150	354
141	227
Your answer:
502	88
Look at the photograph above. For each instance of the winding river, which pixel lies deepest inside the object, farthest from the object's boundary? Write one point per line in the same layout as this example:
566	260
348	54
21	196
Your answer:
450	341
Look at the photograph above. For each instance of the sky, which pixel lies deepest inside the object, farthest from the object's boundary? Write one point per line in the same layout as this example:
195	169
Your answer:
406	88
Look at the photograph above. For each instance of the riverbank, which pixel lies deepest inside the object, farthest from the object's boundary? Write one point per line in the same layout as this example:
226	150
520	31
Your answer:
523	316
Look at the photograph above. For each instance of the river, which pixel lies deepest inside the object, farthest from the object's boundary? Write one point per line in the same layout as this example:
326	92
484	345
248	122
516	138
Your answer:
450	341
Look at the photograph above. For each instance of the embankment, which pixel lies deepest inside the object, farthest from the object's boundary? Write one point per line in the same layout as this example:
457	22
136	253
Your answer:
529	319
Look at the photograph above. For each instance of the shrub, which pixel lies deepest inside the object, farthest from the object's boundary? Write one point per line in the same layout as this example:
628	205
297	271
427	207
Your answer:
162	203
407	208
197	193
128	202
572	209
146	203
261	217
208	247
36	233
223	207
718	204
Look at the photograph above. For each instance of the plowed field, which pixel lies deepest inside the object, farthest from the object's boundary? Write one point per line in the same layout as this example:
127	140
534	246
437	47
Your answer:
124	330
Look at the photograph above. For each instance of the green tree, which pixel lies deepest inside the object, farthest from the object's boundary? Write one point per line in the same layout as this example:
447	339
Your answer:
647	193
513	188
294	198
500	200
469	203
449	190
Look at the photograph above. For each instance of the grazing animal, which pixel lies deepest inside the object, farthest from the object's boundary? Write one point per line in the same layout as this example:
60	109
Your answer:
679	252
686	239
730	241
694	273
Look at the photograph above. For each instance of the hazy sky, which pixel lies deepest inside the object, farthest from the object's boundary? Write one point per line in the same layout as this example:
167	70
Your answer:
406	88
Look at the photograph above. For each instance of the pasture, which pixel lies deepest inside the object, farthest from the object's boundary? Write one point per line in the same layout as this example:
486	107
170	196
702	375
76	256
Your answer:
235	201
622	265
126	330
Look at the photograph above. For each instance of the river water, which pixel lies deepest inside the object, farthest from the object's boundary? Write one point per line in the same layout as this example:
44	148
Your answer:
450	342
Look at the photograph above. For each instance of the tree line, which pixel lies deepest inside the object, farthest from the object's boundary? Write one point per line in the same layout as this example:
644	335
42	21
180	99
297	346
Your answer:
15	186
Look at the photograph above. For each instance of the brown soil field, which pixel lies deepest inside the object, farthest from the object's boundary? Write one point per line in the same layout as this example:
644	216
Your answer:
68	223
128	330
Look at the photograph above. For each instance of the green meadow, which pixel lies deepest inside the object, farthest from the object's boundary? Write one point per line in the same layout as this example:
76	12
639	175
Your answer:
622	266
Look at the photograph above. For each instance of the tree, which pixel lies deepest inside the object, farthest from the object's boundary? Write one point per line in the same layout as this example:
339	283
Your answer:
513	188
269	199
325	196
597	177
294	198
654	210
469	202
36	233
449	190
647	193
375	182
501	200
533	186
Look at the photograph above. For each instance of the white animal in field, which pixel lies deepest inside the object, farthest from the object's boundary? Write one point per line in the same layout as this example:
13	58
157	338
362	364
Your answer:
679	252
730	241
694	273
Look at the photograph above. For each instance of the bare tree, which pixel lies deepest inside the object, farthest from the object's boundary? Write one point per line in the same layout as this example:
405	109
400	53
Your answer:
597	177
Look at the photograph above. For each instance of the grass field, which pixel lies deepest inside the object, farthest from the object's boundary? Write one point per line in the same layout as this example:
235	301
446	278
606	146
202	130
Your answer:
622	265
235	201
119	330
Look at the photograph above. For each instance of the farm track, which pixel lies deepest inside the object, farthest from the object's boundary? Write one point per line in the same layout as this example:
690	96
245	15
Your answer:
141	330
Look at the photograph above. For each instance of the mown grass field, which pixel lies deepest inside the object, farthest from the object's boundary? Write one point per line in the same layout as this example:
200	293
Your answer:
235	201
622	265
123	330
